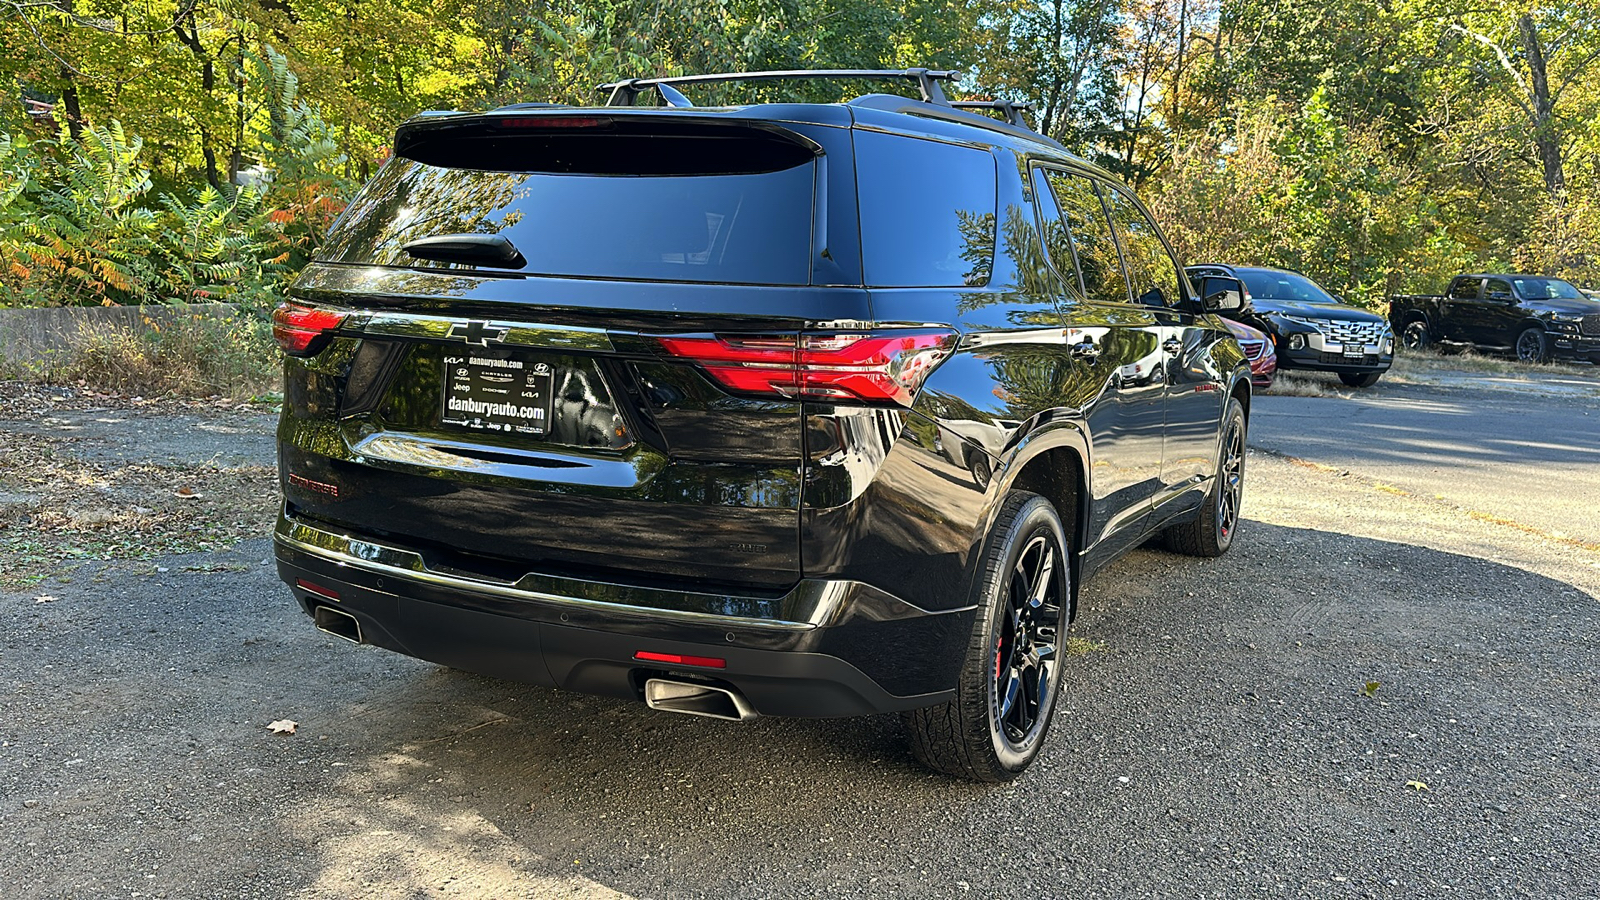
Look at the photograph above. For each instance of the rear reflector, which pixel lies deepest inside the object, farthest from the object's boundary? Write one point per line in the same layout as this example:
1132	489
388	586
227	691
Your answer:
709	662
879	366
317	589
302	330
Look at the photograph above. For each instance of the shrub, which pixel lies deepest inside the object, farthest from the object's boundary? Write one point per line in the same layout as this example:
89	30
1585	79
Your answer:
189	355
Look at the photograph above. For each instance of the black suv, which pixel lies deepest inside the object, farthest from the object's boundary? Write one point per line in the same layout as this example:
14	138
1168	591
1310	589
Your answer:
781	409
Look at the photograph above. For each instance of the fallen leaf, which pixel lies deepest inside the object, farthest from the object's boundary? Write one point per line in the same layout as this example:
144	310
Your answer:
1371	688
44	598
283	726
187	493
1417	785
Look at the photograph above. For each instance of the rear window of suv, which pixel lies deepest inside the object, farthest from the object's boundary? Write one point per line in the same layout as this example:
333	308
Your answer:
927	211
749	222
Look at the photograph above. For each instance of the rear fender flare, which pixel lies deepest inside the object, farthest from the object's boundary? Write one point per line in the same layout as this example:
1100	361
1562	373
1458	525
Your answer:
1066	433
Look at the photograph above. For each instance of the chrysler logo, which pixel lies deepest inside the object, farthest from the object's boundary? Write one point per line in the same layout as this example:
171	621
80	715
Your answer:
479	333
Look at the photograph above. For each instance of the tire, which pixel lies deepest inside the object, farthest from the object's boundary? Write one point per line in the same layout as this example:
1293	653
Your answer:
1213	530
1533	345
979	467
1360	379
1006	690
1415	336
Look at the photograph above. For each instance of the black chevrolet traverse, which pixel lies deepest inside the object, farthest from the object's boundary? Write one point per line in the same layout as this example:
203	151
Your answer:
779	409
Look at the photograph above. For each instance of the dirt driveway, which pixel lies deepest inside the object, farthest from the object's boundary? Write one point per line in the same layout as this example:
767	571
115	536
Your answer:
1377	694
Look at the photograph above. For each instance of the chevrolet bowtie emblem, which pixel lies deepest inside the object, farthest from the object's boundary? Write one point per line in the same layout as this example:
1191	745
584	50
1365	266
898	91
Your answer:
479	333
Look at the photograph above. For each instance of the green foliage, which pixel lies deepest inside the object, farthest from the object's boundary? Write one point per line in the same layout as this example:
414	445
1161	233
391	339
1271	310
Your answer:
203	147
87	240
211	247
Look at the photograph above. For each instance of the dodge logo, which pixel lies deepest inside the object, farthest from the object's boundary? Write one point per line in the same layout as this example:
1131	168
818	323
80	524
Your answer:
476	332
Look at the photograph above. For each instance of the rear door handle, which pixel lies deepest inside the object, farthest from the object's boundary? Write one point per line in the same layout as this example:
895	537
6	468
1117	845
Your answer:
1173	346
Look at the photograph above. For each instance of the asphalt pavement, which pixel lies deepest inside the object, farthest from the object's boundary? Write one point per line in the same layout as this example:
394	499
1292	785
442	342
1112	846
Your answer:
1378	693
1533	458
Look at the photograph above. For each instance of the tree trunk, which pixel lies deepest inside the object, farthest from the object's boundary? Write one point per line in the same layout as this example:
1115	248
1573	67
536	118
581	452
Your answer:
1546	138
1177	70
70	105
208	83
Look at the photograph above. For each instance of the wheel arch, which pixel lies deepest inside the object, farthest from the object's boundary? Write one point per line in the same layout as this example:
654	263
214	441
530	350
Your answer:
1053	463
1241	391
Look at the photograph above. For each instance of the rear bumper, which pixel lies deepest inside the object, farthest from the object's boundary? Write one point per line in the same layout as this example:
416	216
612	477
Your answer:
824	648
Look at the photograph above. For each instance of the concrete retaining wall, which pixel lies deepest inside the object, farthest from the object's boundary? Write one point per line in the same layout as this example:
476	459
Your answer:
31	336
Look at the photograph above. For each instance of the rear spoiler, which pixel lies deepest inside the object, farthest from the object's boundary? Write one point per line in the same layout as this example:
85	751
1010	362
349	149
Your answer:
578	139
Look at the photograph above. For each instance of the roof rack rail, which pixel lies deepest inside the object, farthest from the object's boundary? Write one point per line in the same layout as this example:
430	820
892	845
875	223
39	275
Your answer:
624	93
1011	109
948	113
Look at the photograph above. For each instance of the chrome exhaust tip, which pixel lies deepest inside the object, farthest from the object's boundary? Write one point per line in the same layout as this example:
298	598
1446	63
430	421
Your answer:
696	699
337	622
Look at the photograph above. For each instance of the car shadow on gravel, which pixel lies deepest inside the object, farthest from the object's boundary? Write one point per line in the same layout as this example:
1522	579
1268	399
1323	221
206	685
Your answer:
1228	736
1226	713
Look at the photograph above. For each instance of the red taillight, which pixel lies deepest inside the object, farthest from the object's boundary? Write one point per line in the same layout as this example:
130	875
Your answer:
709	662
877	366
302	330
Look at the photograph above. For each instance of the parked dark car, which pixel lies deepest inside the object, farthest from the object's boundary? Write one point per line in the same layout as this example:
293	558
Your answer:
820	410
1534	317
1311	328
1257	347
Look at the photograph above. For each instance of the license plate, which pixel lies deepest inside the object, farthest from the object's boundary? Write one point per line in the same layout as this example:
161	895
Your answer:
1355	350
496	392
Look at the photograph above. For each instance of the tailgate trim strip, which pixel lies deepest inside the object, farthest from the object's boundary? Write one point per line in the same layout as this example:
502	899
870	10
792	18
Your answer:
483	332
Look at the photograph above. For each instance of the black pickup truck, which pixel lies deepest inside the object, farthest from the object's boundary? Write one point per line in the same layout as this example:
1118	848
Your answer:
1536	318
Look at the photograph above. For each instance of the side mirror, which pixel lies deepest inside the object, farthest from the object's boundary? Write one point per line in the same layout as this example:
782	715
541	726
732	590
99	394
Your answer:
1220	294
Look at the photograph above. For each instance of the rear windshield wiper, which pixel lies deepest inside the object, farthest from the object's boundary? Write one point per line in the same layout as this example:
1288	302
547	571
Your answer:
475	249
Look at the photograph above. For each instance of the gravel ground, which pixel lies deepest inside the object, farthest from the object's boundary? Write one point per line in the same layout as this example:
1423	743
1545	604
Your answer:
1374	695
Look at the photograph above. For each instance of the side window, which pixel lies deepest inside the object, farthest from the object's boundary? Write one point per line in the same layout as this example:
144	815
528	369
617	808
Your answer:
1096	250
927	211
1497	286
1057	242
1465	289
1152	274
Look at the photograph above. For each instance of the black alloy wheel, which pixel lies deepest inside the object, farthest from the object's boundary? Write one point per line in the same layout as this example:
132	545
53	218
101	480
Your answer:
1025	657
1211	532
1415	335
1230	486
1006	691
1533	345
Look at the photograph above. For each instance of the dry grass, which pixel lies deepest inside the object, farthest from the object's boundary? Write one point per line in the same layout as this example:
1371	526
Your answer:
204	356
1307	384
1422	364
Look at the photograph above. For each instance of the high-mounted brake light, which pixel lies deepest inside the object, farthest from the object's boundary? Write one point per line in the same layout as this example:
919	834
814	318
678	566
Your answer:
551	122
878	366
302	330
